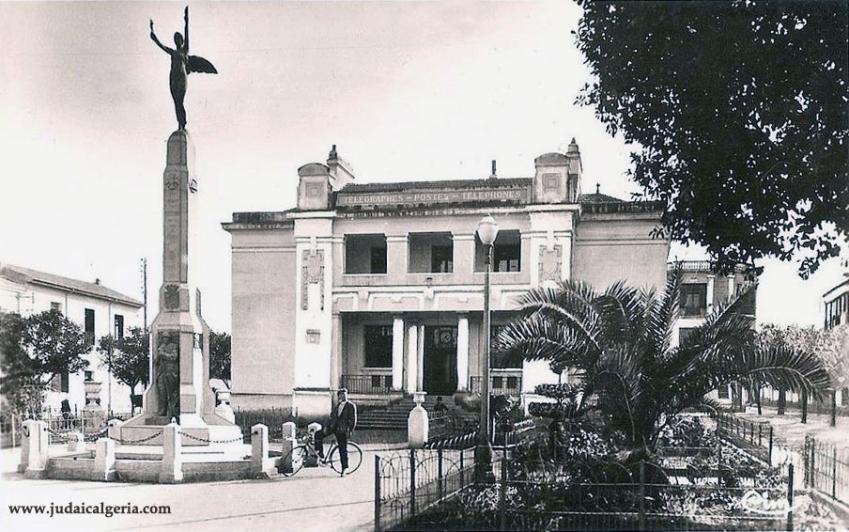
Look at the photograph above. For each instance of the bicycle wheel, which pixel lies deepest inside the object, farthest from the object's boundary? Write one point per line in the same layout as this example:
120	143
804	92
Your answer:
293	461
355	458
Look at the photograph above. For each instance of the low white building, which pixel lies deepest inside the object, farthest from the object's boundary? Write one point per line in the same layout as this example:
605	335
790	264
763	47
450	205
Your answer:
95	308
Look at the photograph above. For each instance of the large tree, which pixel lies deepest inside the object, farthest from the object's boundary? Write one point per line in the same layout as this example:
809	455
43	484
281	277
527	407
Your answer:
738	114
619	343
35	350
127	358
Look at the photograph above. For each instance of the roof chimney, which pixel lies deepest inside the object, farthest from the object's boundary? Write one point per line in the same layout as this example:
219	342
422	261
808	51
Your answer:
97	281
493	175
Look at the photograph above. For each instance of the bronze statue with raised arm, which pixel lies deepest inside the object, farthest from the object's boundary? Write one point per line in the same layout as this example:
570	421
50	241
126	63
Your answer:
182	64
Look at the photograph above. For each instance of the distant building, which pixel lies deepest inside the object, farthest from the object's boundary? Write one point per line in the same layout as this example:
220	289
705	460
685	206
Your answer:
379	287
836	305
702	289
97	309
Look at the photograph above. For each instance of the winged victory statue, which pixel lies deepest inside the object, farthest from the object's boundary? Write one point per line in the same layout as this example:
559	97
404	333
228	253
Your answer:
182	64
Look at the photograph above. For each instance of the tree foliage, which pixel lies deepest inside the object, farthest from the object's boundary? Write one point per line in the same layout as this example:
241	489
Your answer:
219	355
127	358
619	345
830	346
738	112
34	350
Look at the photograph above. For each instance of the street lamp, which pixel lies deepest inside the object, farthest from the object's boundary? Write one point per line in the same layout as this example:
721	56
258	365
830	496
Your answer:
487	232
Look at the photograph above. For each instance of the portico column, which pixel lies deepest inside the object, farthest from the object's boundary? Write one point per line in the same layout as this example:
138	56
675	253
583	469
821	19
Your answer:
412	358
397	353
463	352
336	351
420	360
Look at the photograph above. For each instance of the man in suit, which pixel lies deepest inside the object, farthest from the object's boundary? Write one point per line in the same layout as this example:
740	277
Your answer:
343	421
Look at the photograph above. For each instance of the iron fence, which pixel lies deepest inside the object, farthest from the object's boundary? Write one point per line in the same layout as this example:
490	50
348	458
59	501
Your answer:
758	438
367	383
635	501
826	470
408	483
510	385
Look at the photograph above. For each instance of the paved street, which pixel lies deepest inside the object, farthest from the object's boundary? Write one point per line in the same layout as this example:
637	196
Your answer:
315	499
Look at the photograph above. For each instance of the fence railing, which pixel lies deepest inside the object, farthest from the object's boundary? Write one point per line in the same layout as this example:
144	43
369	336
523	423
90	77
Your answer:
499	384
408	483
758	438
628	500
826	469
822	466
367	383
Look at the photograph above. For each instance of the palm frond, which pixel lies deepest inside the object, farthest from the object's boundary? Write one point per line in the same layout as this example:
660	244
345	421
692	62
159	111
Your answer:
784	368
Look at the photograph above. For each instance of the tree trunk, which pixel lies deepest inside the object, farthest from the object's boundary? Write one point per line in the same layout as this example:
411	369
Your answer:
782	402
758	400
833	408
804	406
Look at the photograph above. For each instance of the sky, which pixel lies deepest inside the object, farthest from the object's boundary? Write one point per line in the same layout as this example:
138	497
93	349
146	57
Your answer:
406	90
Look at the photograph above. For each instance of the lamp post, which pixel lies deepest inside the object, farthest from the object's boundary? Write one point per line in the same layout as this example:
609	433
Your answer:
487	232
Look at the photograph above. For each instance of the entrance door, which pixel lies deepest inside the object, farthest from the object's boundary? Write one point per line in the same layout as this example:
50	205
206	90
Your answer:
440	360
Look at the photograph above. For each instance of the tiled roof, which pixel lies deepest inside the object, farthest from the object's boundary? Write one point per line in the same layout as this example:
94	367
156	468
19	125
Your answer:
19	274
449	183
598	198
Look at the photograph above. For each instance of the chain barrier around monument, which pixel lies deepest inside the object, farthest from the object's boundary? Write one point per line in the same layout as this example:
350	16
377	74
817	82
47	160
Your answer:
204	440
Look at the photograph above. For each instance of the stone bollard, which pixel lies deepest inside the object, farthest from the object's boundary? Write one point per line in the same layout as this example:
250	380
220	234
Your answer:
418	424
285	463
104	460
259	448
75	441
22	465
172	461
114	430
34	449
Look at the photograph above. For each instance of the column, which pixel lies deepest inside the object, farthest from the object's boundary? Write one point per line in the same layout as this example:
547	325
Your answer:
397	353
336	350
412	358
463	352
420	359
710	281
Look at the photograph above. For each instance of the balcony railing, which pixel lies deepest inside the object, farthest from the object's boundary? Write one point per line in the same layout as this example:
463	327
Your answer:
367	383
499	384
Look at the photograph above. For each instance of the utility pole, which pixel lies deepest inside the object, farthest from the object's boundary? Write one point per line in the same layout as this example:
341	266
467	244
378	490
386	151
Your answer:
144	288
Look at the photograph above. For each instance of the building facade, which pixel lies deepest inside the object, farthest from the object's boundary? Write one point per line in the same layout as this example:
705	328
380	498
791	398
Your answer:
836	305
702	290
98	310
379	287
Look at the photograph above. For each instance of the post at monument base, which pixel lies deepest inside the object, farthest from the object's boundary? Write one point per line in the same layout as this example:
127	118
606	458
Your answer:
179	336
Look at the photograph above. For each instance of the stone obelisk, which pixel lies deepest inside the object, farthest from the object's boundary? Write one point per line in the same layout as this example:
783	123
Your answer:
179	377
179	335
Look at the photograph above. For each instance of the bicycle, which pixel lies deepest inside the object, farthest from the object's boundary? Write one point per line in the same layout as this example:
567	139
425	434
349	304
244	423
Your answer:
305	449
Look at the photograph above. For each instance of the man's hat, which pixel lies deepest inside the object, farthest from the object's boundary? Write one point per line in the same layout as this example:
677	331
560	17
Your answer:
342	390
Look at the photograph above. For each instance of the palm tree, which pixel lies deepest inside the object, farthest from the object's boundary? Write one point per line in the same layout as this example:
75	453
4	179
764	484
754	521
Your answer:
619	343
